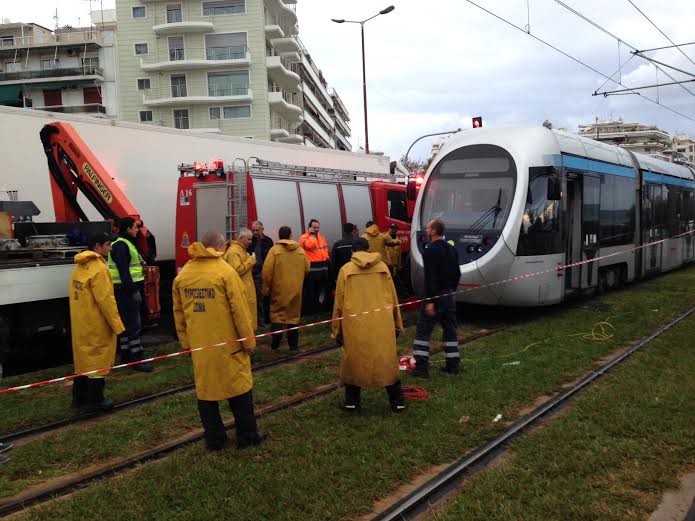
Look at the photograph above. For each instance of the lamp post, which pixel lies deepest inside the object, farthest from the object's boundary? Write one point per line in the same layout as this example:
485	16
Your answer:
364	72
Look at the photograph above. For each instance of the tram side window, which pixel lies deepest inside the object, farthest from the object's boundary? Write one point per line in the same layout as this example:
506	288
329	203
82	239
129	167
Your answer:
540	225
617	214
688	208
656	206
674	209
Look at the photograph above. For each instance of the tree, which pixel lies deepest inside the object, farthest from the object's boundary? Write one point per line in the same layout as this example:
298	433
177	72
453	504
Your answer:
413	165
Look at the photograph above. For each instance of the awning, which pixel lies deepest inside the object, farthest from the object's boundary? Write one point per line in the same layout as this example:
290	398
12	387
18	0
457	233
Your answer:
9	93
57	84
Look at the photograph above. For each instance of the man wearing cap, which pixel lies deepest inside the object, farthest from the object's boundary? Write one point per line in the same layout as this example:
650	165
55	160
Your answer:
369	356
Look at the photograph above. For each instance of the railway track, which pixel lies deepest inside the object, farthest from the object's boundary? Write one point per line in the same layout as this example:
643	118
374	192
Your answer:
426	496
63	486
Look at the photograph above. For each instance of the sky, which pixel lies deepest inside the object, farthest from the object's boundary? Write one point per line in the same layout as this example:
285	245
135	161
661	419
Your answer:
432	66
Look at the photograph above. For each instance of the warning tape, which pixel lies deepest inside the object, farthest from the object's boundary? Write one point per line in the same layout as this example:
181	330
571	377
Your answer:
467	287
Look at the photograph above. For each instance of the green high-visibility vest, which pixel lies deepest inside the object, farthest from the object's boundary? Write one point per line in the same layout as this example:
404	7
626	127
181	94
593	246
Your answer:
136	271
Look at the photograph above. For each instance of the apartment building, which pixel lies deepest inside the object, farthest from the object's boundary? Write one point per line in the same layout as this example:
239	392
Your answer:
683	150
69	70
211	66
636	137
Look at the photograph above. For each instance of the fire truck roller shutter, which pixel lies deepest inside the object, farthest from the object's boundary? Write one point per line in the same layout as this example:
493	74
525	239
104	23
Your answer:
277	204
320	201
358	205
210	209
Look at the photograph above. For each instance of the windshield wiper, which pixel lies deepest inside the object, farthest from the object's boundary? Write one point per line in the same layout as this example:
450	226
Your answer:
493	211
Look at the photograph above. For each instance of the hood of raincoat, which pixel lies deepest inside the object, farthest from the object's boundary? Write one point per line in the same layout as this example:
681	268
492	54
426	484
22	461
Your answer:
197	250
373	230
289	244
232	243
364	259
86	256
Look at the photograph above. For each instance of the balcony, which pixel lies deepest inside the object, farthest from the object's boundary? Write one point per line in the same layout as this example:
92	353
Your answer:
279	71
285	103
281	130
285	45
282	15
318	107
317	128
340	139
181	95
53	75
90	108
189	59
52	40
341	123
183	27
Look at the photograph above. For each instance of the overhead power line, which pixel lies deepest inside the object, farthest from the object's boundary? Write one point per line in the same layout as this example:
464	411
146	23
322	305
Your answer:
577	60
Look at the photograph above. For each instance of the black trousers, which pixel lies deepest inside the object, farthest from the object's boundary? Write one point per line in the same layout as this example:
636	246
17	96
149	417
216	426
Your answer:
292	336
129	307
315	291
394	392
445	314
244	419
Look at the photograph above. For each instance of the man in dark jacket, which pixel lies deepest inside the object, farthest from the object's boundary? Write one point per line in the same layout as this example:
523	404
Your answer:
442	274
342	249
125	265
259	248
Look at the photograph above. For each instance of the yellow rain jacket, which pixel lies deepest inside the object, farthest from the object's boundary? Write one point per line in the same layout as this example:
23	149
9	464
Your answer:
379	241
94	318
393	253
369	341
284	270
238	258
210	308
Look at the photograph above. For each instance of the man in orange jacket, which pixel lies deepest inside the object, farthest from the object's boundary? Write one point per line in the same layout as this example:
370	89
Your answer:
316	283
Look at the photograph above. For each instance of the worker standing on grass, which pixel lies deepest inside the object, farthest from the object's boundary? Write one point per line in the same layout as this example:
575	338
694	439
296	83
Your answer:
283	277
236	255
316	283
393	252
369	356
259	247
94	323
442	275
126	268
342	249
210	308
378	241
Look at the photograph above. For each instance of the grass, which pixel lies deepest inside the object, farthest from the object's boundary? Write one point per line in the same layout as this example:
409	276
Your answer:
622	444
319	464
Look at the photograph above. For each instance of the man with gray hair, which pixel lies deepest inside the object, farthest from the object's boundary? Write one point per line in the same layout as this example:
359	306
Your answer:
237	257
260	246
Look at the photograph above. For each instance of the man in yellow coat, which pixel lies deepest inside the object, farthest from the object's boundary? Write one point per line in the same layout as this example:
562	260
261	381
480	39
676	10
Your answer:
210	308
237	257
284	270
393	253
369	356
95	323
378	241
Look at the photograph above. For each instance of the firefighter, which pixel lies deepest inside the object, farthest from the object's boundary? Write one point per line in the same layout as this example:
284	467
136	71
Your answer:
342	249
260	246
210	308
283	277
393	253
237	256
95	323
126	267
316	284
378	241
442	275
369	356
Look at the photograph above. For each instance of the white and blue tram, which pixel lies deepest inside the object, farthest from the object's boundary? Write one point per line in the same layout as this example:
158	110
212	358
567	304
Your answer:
523	200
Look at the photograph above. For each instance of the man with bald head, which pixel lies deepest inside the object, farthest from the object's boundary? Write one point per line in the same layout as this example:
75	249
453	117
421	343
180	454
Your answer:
210	309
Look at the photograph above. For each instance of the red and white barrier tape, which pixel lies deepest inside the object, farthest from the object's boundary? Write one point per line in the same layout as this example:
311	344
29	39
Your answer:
331	320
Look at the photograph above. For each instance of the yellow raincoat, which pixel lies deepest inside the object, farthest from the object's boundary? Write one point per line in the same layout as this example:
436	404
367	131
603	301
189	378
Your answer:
393	254
284	270
238	258
379	241
210	308
94	318
369	341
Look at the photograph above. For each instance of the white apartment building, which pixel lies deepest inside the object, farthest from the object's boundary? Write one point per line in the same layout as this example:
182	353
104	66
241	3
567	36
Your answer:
636	137
70	70
211	66
683	150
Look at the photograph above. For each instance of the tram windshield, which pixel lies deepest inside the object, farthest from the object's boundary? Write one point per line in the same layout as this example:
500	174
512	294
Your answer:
471	189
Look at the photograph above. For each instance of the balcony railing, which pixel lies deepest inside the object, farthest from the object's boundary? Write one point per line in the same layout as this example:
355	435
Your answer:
195	93
228	90
49	40
51	73
289	97
90	108
226	53
239	52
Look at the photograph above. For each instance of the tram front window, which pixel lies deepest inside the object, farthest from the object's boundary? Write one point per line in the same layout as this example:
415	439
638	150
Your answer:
471	189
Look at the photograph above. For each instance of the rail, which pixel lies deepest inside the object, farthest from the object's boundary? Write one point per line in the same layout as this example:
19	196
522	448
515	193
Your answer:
89	108
60	72
50	40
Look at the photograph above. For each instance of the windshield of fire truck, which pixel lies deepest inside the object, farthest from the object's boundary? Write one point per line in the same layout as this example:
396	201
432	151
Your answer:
471	189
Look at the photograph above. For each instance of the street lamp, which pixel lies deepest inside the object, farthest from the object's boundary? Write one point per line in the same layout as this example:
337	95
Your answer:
364	73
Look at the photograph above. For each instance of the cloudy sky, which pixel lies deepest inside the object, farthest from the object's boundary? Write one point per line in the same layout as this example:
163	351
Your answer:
431	66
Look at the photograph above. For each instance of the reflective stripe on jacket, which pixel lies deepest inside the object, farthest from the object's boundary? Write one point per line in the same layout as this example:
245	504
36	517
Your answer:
135	268
315	247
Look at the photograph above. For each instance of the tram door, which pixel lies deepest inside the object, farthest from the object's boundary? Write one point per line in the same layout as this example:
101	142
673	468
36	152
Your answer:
688	225
591	205
574	231
654	219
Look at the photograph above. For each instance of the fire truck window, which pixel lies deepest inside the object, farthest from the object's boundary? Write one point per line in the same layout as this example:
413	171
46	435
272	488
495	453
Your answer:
397	206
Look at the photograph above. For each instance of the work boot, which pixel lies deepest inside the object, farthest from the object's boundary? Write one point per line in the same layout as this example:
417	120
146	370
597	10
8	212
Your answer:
96	401
396	398
421	371
257	439
145	367
452	369
80	391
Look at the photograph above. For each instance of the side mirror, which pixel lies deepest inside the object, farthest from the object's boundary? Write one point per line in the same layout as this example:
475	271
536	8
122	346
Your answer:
554	192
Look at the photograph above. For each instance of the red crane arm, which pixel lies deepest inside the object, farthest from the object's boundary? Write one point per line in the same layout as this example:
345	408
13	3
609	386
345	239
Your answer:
73	167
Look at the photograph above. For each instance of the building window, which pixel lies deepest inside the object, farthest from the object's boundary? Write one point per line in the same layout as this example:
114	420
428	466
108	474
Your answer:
181	119
13	67
230	46
145	116
90	61
218	7
214	112
144	84
237	112
91	96
139	11
176	48
178	86
49	64
174	14
228	83
7	41
140	49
